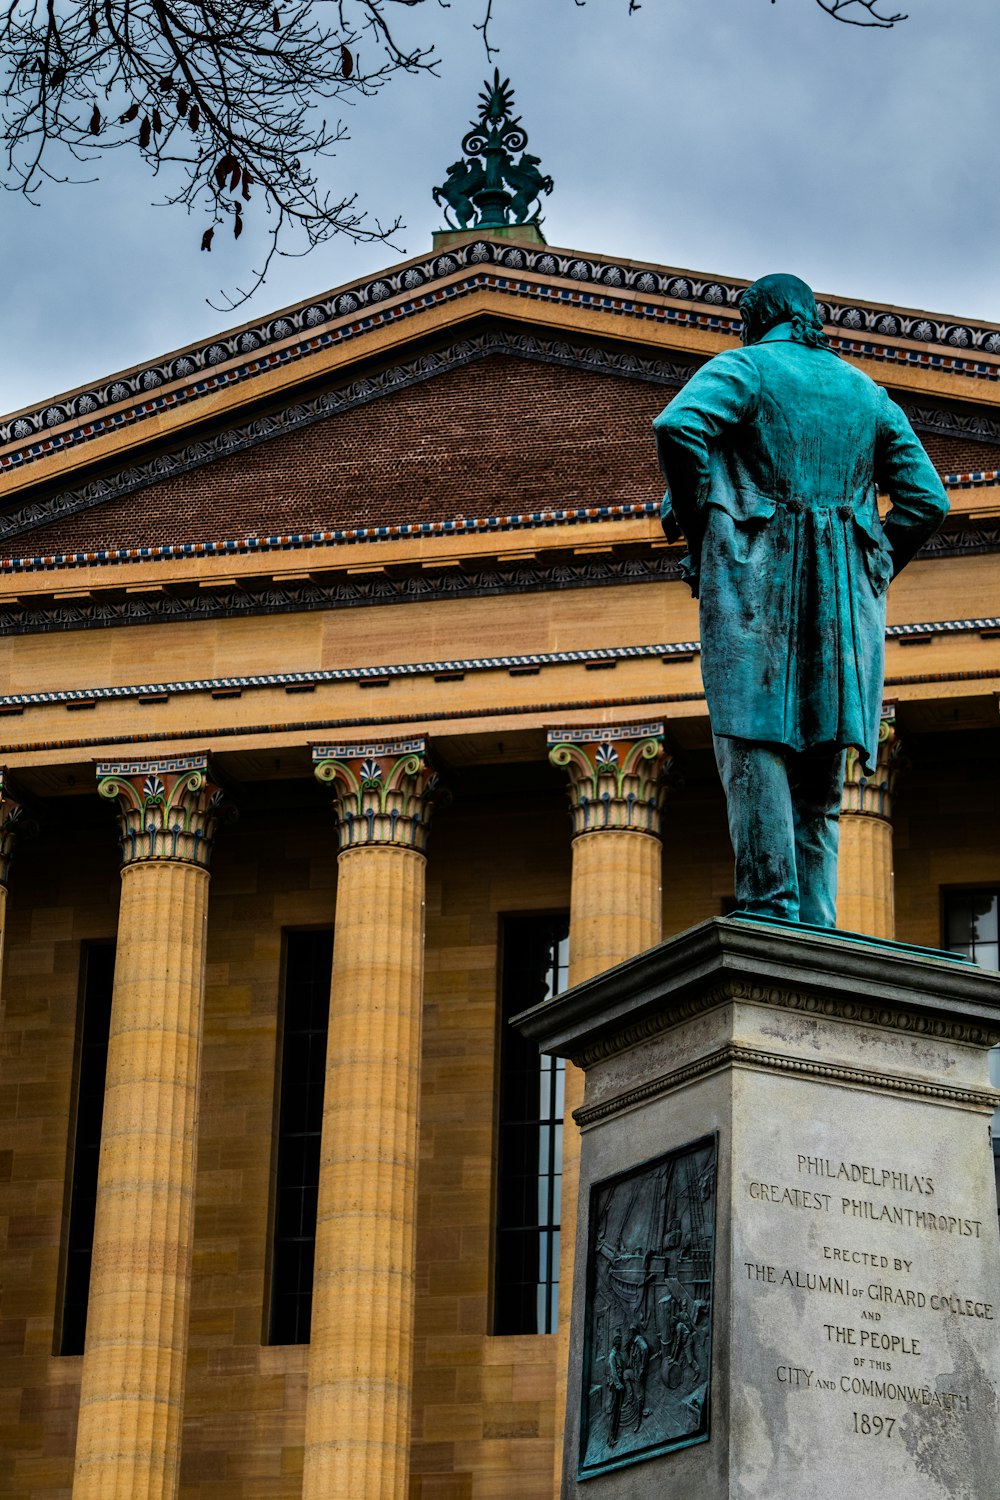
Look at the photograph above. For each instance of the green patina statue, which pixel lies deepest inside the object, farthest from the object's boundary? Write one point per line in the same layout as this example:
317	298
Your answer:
774	456
487	188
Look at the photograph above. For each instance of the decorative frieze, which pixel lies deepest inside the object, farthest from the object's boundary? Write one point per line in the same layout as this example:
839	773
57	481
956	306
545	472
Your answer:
11	820
382	791
871	795
168	809
616	775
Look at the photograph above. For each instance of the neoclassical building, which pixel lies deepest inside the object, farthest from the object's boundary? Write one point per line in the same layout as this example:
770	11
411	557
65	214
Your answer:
349	704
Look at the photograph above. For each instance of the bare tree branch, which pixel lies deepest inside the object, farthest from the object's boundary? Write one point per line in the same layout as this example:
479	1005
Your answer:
859	12
226	101
484	27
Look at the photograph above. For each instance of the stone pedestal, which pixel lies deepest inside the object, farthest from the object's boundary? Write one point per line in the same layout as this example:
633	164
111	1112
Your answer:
787	1269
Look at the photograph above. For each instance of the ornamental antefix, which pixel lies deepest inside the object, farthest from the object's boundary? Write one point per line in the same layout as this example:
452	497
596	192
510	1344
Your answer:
491	186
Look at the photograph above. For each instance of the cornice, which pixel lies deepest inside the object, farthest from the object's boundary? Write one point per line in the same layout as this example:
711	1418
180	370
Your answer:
974	426
267	596
972	536
624	289
542	711
521	664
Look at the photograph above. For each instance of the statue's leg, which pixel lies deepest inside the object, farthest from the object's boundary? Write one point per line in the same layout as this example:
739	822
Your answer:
817	781
761	826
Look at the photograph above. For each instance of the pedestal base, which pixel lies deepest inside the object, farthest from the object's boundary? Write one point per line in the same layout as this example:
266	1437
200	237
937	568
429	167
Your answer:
788	1259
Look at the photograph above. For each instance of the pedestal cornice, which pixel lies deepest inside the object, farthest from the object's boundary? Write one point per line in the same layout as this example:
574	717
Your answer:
616	775
383	792
168	809
889	985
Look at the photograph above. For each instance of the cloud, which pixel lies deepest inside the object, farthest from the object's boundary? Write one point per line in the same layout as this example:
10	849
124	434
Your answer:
730	136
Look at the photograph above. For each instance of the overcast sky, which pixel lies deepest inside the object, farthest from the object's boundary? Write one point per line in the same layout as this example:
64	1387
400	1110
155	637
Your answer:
728	136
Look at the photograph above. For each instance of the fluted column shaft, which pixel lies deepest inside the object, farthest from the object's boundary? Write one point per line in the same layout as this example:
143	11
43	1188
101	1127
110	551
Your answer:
865	893
361	1344
131	1400
616	776
616	905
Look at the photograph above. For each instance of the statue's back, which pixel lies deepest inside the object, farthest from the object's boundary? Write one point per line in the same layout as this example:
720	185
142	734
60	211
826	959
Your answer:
815	432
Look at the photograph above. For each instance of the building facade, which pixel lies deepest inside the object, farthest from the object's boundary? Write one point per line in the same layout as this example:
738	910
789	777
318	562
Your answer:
349	704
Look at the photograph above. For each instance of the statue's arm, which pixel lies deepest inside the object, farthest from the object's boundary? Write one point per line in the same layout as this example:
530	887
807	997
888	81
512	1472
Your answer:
904	472
720	396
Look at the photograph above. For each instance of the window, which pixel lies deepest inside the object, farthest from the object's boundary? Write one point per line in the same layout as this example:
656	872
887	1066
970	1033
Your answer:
971	926
535	960
308	962
98	965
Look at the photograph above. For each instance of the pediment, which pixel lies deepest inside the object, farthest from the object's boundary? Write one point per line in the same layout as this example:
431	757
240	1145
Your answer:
495	421
205	442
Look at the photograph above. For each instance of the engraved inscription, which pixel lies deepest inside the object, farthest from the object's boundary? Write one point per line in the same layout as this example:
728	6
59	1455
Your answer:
647	1352
873	1308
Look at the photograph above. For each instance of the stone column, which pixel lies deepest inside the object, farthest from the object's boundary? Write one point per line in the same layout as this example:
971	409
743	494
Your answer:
616	777
361	1346
865	901
129	1437
11	814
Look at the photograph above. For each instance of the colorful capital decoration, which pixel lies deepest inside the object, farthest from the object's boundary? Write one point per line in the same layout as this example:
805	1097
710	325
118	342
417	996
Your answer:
871	796
616	775
382	791
167	809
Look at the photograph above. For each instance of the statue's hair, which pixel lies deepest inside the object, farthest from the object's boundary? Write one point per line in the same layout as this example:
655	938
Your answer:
781	298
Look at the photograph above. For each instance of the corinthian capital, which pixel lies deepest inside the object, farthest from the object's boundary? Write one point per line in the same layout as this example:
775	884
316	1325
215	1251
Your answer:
11	819
167	809
871	796
616	775
382	792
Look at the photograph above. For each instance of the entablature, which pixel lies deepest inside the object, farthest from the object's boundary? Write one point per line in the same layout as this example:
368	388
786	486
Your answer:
531	552
939	675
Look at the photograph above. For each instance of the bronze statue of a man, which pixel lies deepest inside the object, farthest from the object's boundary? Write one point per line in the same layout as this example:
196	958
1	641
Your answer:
774	456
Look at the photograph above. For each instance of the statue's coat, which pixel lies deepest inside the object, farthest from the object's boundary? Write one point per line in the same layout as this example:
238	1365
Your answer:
774	456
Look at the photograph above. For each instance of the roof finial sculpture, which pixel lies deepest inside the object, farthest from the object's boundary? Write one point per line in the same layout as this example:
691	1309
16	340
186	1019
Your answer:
487	188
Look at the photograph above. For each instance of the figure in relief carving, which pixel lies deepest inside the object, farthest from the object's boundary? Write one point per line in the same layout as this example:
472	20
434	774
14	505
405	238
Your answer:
645	1382
774	456
636	1367
616	1385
